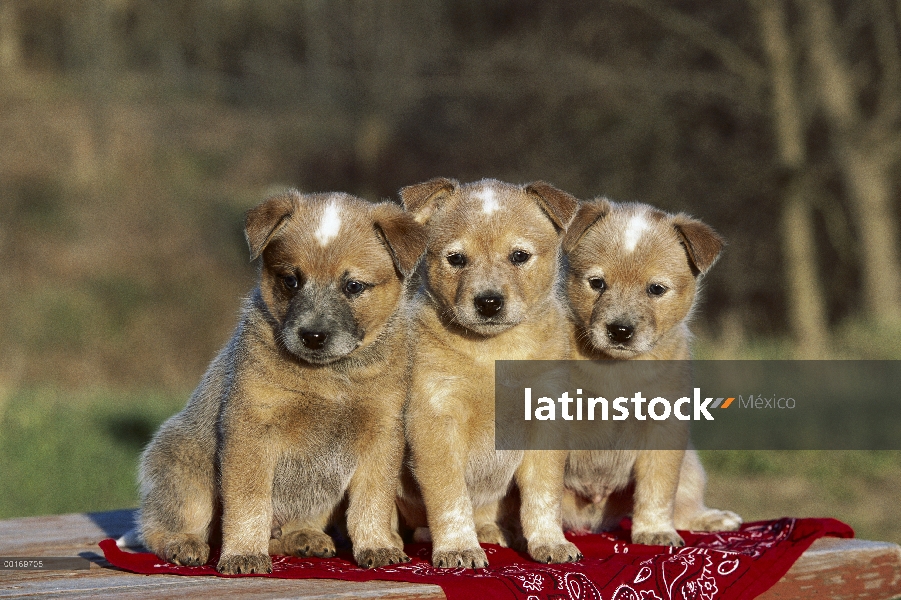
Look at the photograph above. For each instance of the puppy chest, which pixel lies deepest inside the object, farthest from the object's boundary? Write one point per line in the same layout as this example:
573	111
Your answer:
308	485
599	473
489	473
313	425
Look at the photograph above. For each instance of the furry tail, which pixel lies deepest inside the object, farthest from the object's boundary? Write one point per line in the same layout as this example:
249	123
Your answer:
132	539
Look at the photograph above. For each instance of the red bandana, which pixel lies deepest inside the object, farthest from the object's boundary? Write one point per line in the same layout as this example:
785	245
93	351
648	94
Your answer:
725	565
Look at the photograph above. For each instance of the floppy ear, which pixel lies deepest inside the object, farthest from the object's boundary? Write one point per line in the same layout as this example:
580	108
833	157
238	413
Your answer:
557	204
702	244
264	220
423	199
404	237
589	213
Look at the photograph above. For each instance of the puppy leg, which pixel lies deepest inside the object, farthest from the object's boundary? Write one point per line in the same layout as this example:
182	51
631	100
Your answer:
488	529
540	481
440	463
247	471
656	479
371	511
177	498
690	512
305	537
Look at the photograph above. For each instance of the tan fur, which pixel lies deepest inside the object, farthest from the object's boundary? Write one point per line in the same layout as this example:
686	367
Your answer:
449	418
631	247
292	428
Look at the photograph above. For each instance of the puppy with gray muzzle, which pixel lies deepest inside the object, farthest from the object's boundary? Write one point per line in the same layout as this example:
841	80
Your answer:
303	407
633	279
489	293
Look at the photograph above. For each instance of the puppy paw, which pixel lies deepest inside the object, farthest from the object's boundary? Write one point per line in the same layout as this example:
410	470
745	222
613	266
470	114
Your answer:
187	550
472	558
555	553
239	564
372	558
490	533
716	520
657	538
397	539
308	542
422	535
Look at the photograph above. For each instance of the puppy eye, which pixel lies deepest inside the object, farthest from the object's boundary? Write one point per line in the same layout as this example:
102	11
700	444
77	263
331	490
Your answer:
518	257
655	289
353	287
290	282
456	260
597	284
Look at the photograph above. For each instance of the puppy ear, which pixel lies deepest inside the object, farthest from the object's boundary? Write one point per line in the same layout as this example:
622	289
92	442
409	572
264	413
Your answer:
588	214
405	238
264	220
557	204
423	199
702	244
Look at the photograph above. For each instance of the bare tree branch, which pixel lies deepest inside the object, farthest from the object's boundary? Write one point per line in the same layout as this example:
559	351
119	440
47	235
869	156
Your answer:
807	312
837	90
889	107
729	54
787	113
889	150
886	41
10	34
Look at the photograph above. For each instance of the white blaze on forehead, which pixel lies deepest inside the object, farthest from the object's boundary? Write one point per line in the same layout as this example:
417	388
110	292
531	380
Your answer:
489	201
637	225
329	224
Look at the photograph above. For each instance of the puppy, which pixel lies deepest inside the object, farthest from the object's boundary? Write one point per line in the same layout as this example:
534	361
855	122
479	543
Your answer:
305	401
489	293
632	281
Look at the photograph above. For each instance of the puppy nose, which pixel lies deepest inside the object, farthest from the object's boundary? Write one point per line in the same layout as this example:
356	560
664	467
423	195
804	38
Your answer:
488	306
620	333
314	340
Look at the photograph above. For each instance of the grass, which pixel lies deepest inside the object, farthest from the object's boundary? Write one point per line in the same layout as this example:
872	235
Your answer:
62	452
855	486
858	487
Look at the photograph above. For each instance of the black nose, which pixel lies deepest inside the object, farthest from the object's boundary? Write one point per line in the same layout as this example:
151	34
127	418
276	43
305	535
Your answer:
620	333
314	340
488	306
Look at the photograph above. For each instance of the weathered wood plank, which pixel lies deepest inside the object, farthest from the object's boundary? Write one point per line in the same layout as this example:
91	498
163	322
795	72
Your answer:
110	583
843	569
831	568
78	534
62	535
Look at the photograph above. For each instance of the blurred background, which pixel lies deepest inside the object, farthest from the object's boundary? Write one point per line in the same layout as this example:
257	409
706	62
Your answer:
134	135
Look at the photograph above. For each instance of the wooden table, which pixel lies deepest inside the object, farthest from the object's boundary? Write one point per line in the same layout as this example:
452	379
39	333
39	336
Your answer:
831	568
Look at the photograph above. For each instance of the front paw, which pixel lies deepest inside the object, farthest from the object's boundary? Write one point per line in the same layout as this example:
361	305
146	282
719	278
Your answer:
555	553
187	550
308	542
372	558
491	533
471	558
716	520
239	564
657	538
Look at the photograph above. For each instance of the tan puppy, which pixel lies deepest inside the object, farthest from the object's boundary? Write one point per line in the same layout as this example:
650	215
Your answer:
489	293
632	282
303	404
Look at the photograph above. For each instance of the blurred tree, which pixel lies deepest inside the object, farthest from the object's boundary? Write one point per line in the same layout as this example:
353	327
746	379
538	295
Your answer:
863	115
10	37
866	144
806	305
777	121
